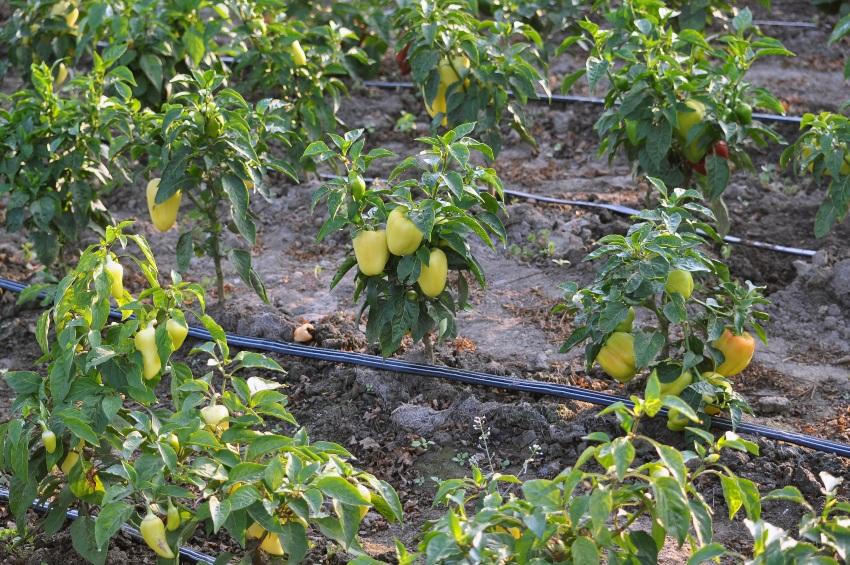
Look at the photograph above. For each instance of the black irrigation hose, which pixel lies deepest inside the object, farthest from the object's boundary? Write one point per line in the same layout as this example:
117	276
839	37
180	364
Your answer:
628	211
567	99
130	531
480	379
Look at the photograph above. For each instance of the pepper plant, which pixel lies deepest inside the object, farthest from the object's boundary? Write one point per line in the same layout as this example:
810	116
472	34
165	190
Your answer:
678	105
609	506
467	69
162	39
301	66
61	150
366	26
409	232
45	31
695	338
220	452
823	150
214	150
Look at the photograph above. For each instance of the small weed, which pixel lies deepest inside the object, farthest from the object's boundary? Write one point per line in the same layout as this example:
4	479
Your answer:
406	122
461	458
537	246
422	443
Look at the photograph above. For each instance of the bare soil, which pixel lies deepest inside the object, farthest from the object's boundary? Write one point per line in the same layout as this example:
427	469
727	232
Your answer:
384	417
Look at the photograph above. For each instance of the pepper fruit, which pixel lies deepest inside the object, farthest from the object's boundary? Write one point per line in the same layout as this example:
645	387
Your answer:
145	342
172	520
153	532
216	417
297	53
685	121
671	383
744	113
71	17
681	282
48	438
358	186
432	277
115	272
403	237
737	352
371	251
676	421
711	401
617	357
364	492
401	60
86	485
69	462
174	442
448	76
626	325
164	214
177	331
271	542
61	75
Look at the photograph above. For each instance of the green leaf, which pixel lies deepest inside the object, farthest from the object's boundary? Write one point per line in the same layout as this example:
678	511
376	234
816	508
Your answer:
584	551
152	67
707	553
83	540
647	347
73	420
241	259
109	520
194	45
340	489
219	511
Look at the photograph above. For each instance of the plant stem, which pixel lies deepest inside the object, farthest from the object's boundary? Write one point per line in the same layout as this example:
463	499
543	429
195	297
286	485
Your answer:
429	348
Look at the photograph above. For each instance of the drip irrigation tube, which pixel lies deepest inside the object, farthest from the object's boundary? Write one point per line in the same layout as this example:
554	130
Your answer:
567	99
628	211
480	379
132	532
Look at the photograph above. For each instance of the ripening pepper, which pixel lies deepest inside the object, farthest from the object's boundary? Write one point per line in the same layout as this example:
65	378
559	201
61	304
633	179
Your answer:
371	251
271	542
72	16
432	277
686	120
145	342
448	76
172	521
174	442
61	75
48	438
177	331
69	462
681	282
617	356
115	272
403	237
153	532
163	215
737	352
297	53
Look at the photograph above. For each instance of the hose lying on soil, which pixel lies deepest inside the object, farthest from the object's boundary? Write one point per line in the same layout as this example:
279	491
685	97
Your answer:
568	99
71	514
482	379
627	211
